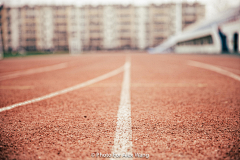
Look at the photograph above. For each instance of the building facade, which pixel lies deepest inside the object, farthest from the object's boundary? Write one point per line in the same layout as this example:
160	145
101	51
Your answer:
57	28
209	36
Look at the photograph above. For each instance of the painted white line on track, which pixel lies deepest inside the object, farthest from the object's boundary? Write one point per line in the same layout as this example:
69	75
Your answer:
230	69
123	135
214	68
81	85
33	71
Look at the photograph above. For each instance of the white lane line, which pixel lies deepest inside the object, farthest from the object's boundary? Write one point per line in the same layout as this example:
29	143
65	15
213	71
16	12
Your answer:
33	71
81	85
123	136
230	69
214	68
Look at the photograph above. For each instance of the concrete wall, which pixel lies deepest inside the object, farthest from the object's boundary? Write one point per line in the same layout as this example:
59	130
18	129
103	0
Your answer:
178	18
48	27
214	48
15	22
75	43
109	27
141	21
206	49
229	29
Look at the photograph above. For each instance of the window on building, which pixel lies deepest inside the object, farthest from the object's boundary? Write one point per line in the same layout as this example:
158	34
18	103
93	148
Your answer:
198	41
124	30
30	24
94	31
31	39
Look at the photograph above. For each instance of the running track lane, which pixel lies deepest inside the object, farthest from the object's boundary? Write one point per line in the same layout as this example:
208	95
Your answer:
79	69
72	125
183	112
163	95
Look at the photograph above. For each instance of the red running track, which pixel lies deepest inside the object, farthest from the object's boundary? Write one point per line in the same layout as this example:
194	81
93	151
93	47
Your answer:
177	111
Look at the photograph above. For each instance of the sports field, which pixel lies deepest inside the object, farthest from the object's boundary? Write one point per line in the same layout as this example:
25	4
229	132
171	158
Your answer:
120	105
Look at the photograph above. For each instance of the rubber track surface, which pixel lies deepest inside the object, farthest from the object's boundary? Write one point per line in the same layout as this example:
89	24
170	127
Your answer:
177	111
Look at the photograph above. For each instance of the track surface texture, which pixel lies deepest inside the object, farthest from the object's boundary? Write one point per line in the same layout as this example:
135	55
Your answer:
173	110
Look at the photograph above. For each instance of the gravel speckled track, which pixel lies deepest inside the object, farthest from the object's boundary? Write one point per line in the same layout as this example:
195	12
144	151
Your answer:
184	112
177	111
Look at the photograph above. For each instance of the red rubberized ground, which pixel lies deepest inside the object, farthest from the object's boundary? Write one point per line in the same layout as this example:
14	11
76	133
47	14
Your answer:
178	111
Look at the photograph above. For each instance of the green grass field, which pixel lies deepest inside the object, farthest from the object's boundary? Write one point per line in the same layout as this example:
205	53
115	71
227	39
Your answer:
32	53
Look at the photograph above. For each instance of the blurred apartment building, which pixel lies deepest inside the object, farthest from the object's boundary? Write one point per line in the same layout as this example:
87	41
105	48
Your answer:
1	44
57	28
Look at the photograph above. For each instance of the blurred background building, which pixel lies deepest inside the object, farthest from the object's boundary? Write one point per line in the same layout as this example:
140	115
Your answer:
99	27
219	34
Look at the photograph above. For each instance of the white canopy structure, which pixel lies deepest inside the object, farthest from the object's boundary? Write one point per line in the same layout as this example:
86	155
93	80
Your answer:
206	33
